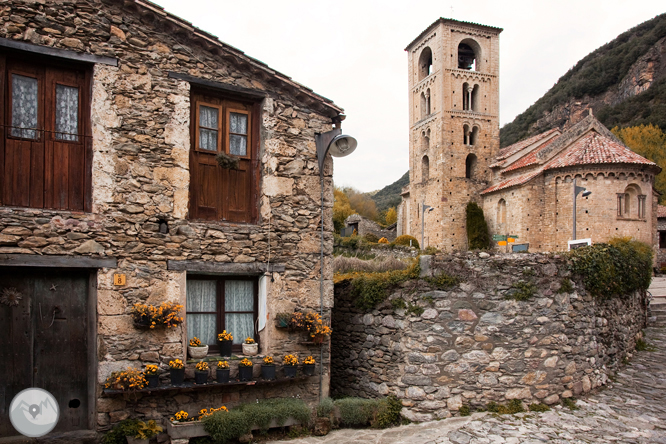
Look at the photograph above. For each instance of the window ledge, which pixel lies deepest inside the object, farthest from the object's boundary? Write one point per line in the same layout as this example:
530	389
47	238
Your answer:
631	219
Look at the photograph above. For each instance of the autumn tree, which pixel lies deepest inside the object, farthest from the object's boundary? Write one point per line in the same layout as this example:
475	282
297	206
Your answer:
650	142
341	209
391	216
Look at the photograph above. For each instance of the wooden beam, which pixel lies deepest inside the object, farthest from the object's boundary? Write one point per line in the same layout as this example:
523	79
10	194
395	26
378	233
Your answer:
224	267
56	261
244	93
60	53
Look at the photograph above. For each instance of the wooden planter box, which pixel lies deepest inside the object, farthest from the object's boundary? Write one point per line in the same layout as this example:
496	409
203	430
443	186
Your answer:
195	429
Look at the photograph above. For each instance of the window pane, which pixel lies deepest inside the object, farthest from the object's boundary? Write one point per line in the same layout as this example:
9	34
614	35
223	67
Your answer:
238	145
239	295
24	106
238	123
201	295
241	325
203	326
208	123
67	113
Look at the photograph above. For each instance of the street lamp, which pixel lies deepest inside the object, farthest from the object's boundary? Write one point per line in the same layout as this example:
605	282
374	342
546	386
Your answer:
424	208
338	145
576	191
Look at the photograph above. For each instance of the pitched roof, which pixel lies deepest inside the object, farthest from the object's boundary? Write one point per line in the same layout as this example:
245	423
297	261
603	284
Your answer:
594	148
513	181
530	159
237	56
513	149
452	22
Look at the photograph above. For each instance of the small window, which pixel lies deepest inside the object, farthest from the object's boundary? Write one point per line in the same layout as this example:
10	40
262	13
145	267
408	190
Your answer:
425	168
501	211
25	106
425	63
470	166
215	304
633	203
662	239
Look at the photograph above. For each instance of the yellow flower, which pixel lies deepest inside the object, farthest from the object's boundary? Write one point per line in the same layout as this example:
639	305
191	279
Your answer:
290	360
309	360
151	369
224	336
195	342
222	364
202	366
268	360
249	340
176	364
245	363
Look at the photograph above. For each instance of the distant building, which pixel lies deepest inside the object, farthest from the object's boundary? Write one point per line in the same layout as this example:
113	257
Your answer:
525	189
363	226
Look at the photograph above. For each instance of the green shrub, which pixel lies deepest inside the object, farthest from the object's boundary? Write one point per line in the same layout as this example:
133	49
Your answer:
464	410
415	309
378	413
514	406
493	407
477	228
325	408
521	291
398	303
570	403
224	426
442	281
117	435
431	251
565	286
404	240
541	407
370	237
617	268
388	413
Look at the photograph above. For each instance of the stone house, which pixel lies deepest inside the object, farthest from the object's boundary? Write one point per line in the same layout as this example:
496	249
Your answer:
112	116
525	189
661	236
364	226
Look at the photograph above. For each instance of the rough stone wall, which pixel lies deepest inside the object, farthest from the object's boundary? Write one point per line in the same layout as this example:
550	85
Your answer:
141	143
471	345
366	226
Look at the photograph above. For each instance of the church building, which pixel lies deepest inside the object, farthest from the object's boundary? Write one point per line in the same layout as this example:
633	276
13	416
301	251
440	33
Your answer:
527	189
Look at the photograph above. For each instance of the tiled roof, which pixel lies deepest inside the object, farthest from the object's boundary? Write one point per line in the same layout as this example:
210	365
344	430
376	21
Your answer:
528	160
593	148
513	149
512	182
661	211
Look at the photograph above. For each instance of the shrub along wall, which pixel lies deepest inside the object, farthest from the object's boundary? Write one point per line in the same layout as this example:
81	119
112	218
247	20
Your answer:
515	326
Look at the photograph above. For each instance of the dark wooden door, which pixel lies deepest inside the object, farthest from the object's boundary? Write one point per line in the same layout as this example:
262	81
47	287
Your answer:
44	342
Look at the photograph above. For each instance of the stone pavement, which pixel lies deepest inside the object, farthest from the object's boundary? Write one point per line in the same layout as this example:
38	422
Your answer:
631	409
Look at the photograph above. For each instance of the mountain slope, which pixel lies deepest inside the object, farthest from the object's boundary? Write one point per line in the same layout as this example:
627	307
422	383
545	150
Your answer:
614	81
389	196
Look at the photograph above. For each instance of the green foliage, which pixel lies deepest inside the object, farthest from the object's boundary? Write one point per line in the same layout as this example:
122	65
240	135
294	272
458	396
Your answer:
521	291
642	345
325	408
415	310
378	413
404	240
431	251
398	303
370	289
514	406
128	427
570	403
594	75
565	286
225	426
477	228
492	407
442	281
650	142
464	411
617	268
389	196
370	237
541	407
391	216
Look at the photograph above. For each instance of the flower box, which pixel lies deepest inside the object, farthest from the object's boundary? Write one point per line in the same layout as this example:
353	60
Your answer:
187	430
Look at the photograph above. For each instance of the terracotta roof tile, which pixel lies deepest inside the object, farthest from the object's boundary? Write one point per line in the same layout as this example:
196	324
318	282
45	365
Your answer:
513	149
594	148
528	160
513	181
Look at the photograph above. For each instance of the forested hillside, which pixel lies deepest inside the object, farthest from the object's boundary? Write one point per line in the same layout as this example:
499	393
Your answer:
389	196
624	82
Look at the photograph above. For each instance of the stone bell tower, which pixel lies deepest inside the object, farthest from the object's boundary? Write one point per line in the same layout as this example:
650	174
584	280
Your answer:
453	126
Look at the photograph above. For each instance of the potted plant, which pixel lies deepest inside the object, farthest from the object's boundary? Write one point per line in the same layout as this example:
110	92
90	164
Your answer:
222	371
268	368
290	365
245	370
166	314
130	379
250	347
309	366
282	319
177	372
143	432
316	328
201	373
196	349
152	375
225	340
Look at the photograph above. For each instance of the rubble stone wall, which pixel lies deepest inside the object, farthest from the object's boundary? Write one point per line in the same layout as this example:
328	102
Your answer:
471	345
141	141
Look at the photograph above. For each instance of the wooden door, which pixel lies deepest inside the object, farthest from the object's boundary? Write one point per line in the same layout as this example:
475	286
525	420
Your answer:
44	342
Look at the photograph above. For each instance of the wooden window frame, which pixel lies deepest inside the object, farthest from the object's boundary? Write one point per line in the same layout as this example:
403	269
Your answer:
228	133
220	301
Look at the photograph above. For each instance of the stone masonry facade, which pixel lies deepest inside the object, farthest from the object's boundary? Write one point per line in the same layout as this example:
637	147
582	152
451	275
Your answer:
141	121
471	345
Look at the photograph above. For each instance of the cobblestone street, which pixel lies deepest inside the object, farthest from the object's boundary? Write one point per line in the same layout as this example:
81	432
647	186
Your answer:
631	409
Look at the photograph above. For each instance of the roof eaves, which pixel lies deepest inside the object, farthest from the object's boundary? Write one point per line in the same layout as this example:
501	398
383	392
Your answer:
447	20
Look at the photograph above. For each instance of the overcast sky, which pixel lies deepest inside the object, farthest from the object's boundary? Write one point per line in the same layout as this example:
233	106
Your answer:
353	53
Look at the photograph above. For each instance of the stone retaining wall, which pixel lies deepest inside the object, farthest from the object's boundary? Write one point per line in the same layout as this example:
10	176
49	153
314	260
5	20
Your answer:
471	345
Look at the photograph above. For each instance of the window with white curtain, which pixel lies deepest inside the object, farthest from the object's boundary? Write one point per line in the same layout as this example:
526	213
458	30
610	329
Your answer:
216	303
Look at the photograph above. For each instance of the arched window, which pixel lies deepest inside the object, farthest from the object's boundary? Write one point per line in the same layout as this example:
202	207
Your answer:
470	166
631	203
466	134
427	97
474	135
425	140
423	106
475	98
425	168
469	53
501	211
465	96
425	63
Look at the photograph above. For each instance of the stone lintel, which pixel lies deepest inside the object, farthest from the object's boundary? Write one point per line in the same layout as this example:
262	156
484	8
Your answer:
244	93
56	261
224	267
55	52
